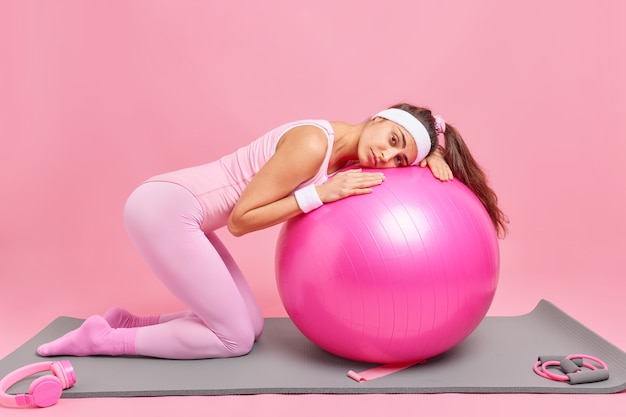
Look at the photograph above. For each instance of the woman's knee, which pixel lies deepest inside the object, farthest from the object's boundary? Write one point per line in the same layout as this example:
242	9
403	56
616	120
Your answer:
258	323
241	343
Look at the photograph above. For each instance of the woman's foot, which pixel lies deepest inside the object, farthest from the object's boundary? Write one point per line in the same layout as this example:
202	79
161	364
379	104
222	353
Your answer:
94	337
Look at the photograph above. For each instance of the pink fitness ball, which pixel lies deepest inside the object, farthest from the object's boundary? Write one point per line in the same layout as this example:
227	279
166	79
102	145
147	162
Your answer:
402	274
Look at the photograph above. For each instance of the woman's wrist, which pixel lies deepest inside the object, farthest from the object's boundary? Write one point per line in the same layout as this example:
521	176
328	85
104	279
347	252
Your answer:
307	198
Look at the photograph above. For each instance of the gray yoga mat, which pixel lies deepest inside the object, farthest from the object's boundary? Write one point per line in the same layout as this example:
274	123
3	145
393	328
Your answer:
496	358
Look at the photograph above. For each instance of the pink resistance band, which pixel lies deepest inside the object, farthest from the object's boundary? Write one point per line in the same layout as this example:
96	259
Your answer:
571	369
381	371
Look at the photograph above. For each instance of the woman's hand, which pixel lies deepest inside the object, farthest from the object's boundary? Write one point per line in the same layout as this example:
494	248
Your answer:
438	165
348	183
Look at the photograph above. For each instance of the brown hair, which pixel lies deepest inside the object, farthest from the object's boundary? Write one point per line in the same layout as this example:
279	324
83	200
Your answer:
464	166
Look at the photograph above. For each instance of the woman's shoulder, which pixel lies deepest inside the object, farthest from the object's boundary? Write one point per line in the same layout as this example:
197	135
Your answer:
319	124
306	137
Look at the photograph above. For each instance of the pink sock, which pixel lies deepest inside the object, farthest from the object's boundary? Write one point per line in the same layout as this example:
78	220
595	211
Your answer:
94	337
118	317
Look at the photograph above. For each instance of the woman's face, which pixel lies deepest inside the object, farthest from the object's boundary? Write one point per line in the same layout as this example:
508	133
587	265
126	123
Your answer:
386	144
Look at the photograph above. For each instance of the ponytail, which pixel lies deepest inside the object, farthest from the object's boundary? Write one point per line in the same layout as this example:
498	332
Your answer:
466	169
464	166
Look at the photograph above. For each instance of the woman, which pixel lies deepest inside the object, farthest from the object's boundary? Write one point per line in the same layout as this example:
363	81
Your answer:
292	169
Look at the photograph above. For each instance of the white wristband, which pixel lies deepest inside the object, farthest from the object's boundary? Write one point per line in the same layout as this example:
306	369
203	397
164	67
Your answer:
307	198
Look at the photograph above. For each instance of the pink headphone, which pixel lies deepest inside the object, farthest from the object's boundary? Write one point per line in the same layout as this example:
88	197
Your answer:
45	390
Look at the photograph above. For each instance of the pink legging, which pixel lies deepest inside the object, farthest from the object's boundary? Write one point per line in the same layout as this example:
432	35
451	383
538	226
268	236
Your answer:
163	220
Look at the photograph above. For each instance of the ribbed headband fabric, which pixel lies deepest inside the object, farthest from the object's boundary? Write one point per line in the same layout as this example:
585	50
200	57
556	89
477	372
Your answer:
413	126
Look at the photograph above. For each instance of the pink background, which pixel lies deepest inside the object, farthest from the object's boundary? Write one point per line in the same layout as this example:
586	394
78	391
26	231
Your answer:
96	96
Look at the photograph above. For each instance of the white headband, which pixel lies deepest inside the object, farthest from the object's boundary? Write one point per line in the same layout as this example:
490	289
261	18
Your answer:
413	126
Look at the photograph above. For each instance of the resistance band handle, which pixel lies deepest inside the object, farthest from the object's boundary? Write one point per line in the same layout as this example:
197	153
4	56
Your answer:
568	366
590	376
559	358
